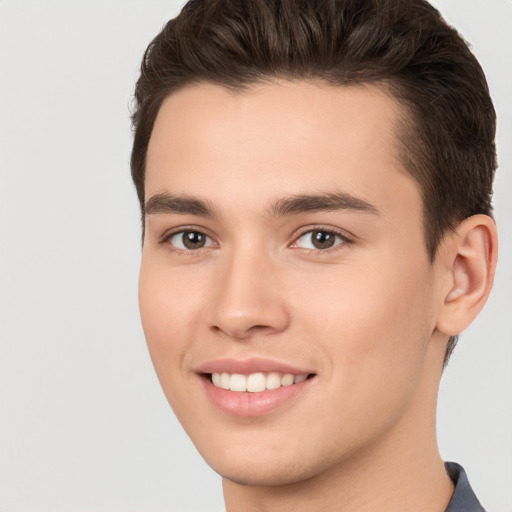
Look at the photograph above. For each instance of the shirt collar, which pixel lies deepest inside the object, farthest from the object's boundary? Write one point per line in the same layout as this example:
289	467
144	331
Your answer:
463	499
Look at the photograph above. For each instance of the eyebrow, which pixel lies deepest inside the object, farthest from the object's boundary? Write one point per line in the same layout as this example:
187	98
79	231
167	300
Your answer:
334	201
165	203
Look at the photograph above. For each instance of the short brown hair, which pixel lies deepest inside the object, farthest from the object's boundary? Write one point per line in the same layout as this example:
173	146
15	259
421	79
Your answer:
447	137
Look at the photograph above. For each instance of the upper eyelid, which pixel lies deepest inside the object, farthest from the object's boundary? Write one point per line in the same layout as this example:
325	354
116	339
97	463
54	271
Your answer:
168	234
328	229
165	240
346	242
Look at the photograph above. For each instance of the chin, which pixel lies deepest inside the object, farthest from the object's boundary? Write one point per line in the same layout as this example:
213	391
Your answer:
256	475
266	467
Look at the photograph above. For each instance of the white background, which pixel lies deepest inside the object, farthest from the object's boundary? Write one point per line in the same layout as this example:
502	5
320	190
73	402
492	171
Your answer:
84	425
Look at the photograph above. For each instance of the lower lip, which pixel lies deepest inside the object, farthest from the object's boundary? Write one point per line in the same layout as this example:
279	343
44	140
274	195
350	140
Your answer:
252	404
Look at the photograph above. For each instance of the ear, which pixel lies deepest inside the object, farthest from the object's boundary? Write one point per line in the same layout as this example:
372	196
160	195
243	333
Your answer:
469	259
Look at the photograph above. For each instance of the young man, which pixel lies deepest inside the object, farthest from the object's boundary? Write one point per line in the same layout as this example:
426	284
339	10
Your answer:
315	181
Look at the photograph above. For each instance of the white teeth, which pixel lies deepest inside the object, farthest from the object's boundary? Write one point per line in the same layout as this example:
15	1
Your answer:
287	379
225	378
216	379
300	378
255	382
273	380
238	382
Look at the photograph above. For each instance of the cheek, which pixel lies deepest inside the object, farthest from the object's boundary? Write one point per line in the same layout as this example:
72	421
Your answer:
373	323
167	301
166	309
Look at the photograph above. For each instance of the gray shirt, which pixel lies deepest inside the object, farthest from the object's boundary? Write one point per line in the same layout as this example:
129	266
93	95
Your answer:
463	499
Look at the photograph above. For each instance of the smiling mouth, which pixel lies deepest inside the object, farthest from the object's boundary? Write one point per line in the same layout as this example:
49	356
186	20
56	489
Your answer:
256	382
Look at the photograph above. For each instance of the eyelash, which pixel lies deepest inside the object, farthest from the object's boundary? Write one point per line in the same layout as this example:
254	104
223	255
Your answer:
345	240
166	238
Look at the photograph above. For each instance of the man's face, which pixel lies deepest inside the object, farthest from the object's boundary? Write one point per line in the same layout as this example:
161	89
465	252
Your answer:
284	238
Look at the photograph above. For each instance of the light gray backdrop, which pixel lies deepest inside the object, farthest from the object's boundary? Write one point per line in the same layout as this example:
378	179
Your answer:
84	426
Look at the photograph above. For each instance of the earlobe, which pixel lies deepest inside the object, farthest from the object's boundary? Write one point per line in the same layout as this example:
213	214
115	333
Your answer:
470	261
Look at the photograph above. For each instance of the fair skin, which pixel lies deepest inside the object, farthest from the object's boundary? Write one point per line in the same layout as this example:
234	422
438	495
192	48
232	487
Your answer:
283	236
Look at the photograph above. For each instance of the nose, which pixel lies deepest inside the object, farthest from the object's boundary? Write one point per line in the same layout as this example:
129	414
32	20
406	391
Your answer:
249	298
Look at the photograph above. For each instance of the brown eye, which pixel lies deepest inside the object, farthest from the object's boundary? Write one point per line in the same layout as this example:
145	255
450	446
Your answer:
190	240
319	239
323	239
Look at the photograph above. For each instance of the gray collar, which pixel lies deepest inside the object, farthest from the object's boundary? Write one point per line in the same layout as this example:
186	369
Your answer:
463	499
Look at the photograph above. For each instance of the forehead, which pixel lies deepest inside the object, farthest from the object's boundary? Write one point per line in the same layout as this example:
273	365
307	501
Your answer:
279	138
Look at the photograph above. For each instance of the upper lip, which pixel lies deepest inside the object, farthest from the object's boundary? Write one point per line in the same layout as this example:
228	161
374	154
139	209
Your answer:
248	366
